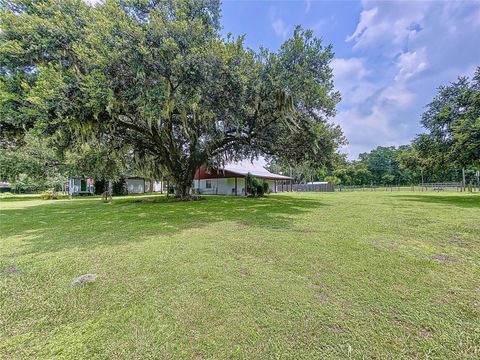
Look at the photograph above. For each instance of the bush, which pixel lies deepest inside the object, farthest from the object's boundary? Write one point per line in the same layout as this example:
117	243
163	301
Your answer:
52	194
255	187
49	195
266	187
100	186
333	180
119	187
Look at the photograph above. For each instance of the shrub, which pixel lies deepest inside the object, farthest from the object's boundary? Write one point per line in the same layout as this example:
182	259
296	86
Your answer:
49	195
266	187
333	180
119	187
255	187
100	186
52	194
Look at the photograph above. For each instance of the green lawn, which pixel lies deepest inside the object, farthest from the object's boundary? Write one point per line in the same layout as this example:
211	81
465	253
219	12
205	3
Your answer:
316	275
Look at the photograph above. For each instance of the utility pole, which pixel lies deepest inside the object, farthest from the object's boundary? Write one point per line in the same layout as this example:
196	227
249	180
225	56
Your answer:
463	178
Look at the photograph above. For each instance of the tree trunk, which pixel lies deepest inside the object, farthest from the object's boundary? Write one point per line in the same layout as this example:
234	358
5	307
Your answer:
183	184
182	191
183	172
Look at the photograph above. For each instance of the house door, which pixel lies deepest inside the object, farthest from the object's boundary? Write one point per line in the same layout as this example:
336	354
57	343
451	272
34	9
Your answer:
83	185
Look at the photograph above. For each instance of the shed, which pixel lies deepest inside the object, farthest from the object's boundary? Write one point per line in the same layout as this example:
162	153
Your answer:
135	185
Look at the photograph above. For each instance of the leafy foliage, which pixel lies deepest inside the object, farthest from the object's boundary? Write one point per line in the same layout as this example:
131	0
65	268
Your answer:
158	78
452	121
97	160
32	165
256	187
333	180
50	194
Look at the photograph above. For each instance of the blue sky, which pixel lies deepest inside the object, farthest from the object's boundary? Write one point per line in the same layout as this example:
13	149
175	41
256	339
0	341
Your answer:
389	56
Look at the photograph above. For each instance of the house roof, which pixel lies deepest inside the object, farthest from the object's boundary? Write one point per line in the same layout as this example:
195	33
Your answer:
244	167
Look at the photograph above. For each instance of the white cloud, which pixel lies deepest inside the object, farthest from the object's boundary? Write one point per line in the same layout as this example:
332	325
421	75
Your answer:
280	28
360	92
411	63
369	109
308	5
349	78
397	96
401	52
352	68
320	24
366	21
368	130
388	25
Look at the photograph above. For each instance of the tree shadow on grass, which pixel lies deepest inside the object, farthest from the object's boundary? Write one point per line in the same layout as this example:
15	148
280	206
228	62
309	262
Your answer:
465	201
90	223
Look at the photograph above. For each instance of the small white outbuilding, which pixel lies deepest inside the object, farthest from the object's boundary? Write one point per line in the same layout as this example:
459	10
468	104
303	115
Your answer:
135	185
80	186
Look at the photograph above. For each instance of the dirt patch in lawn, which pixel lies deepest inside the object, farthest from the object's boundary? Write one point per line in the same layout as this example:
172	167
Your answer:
245	272
424	332
385	245
401	323
442	258
198	356
460	242
305	231
243	224
336	329
10	269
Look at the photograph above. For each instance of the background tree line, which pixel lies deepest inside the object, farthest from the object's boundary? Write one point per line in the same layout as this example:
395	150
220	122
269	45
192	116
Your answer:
449	146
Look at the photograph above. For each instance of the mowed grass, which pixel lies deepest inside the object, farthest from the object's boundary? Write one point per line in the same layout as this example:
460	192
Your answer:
312	275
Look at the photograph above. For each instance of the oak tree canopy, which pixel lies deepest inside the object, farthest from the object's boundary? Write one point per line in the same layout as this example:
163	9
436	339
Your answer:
158	78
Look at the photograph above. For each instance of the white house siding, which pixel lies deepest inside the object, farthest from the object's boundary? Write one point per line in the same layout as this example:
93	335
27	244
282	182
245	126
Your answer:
271	185
136	186
158	186
74	186
221	186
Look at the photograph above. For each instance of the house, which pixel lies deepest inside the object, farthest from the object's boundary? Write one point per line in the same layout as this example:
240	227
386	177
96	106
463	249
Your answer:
140	185
5	186
135	185
80	186
230	179
159	186
128	185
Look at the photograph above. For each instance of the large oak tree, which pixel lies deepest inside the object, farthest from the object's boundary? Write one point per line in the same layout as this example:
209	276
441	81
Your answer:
157	77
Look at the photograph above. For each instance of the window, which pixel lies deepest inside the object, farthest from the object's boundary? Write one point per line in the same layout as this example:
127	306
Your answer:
208	184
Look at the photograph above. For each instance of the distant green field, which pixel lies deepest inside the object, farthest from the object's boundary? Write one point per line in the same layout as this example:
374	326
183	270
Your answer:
299	276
